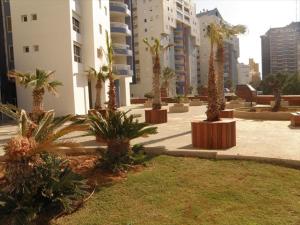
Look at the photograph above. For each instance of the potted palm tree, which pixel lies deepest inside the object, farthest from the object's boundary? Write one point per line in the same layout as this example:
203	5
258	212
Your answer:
168	74
41	82
224	32
157	114
213	133
100	76
179	106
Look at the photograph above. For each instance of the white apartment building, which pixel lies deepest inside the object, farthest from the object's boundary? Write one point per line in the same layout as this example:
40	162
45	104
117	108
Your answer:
231	50
244	76
174	22
67	36
121	36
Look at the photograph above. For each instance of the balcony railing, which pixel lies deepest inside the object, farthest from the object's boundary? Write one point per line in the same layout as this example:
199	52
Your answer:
122	70
121	50
119	7
120	28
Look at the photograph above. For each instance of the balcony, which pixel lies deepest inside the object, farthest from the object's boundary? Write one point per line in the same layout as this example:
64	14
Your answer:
121	50
119	29
122	70
119	8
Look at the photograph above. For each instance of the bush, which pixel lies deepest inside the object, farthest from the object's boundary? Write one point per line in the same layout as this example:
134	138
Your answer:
117	129
149	95
48	190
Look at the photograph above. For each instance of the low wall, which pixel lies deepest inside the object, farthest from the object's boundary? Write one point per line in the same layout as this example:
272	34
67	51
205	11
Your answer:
167	100
294	100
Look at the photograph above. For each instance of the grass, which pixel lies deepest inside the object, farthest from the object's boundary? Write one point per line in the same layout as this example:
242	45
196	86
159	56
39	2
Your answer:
188	191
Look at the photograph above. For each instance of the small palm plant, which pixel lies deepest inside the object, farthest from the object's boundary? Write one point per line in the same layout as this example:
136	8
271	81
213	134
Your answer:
117	129
167	75
156	49
224	32
40	81
101	76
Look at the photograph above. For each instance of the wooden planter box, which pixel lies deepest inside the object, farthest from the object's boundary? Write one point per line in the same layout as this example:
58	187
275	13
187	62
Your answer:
156	116
227	113
178	108
295	119
214	135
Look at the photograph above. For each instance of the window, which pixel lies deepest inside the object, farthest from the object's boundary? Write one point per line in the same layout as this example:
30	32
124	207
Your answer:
36	48
33	16
145	20
100	4
24	18
99	53
76	25
11	53
100	28
77	53
8	24
146	30
26	49
105	10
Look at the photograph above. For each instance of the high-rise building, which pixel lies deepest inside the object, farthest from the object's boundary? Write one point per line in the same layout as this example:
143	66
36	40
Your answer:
173	22
281	49
7	86
69	37
254	72
243	73
231	50
121	36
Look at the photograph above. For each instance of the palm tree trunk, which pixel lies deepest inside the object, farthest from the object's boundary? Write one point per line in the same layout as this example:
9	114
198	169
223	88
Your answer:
111	93
277	96
98	95
213	112
37	103
220	72
156	84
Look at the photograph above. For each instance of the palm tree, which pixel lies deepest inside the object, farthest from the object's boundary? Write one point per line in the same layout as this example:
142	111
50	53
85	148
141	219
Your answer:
100	77
40	81
156	49
224	32
112	89
167	75
213	109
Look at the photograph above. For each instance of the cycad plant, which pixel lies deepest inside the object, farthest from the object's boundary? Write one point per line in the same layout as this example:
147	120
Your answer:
167	75
41	82
100	76
156	49
224	32
117	129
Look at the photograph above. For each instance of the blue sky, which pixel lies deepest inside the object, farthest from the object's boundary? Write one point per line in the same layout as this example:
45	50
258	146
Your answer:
257	15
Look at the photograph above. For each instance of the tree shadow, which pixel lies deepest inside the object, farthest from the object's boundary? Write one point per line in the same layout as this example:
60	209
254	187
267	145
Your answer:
165	138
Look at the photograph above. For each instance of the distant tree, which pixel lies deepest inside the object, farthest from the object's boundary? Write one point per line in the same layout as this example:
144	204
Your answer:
293	85
275	84
167	75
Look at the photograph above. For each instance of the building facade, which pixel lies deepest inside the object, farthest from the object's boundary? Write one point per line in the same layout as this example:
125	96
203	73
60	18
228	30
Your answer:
121	37
243	74
281	49
231	50
68	43
254	73
7	86
173	22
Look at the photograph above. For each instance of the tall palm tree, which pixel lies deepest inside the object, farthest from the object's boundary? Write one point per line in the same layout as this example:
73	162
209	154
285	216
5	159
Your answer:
100	76
156	50
167	75
213	109
225	32
112	89
40	81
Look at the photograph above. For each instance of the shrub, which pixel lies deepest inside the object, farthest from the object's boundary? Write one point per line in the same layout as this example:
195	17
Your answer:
51	188
149	95
117	129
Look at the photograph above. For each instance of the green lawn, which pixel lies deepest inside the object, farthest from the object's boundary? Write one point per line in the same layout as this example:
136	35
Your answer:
188	191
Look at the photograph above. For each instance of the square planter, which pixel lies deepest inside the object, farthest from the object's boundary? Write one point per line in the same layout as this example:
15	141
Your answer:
178	108
227	113
156	116
214	135
295	119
